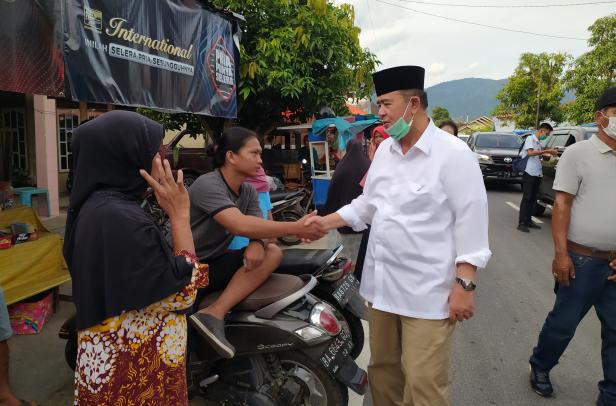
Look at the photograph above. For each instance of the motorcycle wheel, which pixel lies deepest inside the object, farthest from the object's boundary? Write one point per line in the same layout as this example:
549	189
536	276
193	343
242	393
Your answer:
189	179
357	333
317	386
290	216
70	352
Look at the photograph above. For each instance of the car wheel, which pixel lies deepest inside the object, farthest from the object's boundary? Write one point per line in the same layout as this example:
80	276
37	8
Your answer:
539	210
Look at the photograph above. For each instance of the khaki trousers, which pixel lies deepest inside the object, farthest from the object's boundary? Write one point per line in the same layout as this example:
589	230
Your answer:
409	361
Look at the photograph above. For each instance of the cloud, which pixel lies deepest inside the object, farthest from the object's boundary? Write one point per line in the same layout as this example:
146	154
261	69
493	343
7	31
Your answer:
451	50
436	69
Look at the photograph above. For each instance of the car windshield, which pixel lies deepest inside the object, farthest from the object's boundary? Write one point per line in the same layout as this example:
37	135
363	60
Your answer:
589	134
498	141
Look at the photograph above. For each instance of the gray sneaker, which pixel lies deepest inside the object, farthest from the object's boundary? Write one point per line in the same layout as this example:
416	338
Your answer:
213	330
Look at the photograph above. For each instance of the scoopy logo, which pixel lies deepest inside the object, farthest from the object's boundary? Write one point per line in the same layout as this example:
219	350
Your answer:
222	70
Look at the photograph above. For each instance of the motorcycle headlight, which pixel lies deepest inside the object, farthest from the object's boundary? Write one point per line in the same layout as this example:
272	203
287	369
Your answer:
483	158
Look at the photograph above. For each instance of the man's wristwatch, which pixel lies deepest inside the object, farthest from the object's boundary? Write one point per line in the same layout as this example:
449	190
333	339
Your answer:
466	284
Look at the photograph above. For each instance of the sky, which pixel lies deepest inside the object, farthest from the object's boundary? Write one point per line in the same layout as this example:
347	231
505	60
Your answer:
451	50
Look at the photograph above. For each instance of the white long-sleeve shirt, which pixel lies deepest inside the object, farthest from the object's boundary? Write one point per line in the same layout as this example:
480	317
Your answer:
429	211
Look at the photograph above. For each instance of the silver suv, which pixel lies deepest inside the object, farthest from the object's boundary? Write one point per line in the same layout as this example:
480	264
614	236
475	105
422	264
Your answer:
560	139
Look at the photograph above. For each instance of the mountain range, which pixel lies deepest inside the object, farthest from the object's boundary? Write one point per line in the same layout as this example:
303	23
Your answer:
471	97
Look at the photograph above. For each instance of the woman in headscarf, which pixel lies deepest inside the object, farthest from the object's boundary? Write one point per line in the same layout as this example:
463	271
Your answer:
129	286
344	187
378	135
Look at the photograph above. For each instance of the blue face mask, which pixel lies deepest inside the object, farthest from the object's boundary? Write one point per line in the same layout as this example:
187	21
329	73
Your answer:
400	128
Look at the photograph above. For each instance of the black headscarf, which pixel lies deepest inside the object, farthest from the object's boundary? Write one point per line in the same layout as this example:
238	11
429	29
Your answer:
344	186
118	259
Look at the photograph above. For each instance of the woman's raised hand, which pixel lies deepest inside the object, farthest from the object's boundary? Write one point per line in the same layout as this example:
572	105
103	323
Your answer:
170	193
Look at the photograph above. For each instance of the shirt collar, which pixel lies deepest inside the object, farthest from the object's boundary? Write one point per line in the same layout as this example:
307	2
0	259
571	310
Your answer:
424	144
600	145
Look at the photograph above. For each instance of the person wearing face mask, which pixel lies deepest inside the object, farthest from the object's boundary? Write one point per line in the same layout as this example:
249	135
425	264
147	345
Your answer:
531	180
427	204
584	266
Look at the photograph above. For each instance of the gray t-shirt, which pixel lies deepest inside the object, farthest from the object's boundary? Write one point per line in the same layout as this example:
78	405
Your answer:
209	195
587	170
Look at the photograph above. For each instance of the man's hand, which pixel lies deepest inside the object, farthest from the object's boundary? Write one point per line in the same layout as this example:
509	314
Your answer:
461	304
563	269
254	256
613	266
311	227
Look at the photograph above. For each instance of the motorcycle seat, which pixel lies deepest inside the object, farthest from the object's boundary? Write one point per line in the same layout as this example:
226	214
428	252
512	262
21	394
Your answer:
302	261
275	288
279	195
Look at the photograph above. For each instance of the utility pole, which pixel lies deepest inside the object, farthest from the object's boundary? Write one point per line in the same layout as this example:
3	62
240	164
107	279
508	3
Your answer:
538	96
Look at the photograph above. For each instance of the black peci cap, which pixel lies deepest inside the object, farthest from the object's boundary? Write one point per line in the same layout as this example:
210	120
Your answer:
607	99
398	78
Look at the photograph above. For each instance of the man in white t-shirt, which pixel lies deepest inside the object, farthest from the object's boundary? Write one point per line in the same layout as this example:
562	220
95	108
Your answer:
532	175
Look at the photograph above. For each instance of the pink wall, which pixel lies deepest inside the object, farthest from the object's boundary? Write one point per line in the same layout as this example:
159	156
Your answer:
46	139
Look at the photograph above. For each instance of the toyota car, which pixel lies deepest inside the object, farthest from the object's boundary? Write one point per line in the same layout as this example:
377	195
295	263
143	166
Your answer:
496	152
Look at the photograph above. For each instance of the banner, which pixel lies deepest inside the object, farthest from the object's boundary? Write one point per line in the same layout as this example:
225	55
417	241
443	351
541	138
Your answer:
31	39
159	54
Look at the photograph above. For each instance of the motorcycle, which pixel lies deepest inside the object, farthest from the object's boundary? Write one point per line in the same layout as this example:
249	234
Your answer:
290	205
336	285
291	349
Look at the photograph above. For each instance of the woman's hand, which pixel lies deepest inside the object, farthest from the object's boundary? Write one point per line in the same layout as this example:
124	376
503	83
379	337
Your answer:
170	193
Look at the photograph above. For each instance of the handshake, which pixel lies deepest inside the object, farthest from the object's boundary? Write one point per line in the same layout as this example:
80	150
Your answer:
311	227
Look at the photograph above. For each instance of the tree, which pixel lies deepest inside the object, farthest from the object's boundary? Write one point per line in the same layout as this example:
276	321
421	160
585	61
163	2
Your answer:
594	71
440	115
295	57
535	90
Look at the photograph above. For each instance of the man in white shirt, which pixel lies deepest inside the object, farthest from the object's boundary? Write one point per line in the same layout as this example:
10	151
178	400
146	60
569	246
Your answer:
531	179
425	199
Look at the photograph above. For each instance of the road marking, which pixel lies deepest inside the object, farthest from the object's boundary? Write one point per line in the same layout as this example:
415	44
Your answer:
516	208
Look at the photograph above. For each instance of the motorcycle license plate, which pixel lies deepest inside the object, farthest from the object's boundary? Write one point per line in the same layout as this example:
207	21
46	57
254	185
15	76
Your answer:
346	287
339	348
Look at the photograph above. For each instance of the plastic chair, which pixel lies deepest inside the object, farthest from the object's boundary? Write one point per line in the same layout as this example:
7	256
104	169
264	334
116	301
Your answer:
25	195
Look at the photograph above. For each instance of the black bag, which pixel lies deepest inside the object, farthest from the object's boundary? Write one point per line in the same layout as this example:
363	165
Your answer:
519	164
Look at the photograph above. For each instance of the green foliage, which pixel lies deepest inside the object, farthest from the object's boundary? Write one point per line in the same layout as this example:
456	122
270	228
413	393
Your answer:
297	56
195	124
594	71
439	115
537	80
21	178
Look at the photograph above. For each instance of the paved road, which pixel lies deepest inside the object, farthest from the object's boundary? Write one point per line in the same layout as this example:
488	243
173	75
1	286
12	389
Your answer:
490	353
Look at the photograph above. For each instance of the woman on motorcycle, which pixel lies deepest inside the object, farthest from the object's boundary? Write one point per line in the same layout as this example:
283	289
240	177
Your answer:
128	284
222	206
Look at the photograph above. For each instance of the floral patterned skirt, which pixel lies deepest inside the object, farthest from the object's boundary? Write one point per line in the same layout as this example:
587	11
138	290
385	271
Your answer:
137	358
